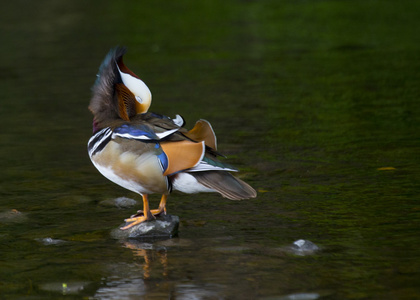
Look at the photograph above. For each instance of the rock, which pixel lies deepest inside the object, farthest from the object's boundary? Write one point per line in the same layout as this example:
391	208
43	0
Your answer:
124	202
12	216
164	227
120	202
127	288
65	288
300	296
50	241
303	247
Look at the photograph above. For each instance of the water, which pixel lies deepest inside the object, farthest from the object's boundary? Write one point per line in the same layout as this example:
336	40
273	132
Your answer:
315	101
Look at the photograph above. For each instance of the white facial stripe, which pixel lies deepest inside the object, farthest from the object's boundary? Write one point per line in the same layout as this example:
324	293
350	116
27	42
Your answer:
136	86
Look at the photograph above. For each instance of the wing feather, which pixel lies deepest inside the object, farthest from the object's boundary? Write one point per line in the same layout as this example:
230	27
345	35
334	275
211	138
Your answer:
226	184
202	131
182	155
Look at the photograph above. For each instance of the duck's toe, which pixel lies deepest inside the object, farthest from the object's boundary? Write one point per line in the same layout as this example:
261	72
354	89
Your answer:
136	220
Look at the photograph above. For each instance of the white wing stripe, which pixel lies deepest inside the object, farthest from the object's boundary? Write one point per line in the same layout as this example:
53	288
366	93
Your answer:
129	136
145	137
203	166
166	133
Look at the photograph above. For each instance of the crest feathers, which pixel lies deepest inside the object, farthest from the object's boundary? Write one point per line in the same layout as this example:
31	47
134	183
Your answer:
104	105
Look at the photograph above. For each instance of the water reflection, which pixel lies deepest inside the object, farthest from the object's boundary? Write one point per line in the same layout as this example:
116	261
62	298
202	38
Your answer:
149	274
206	268
194	292
152	255
121	288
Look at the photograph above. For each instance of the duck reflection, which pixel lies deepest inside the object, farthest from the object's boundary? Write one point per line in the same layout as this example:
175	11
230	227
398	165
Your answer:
154	257
154	274
144	275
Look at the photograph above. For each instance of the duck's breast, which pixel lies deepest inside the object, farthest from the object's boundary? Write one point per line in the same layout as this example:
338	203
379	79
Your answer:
135	168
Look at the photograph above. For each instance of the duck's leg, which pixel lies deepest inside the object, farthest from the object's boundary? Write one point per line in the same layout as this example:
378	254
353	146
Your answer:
147	215
162	206
161	209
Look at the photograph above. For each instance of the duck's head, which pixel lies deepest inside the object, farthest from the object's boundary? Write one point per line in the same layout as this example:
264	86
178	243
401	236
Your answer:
118	93
136	86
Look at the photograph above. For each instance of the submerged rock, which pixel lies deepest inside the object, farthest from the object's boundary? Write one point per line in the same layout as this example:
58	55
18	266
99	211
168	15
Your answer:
164	227
124	202
12	216
303	247
50	241
120	202
300	296
65	288
128	288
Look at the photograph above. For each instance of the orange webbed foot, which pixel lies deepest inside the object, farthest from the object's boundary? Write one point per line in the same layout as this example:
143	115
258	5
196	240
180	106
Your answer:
155	212
135	221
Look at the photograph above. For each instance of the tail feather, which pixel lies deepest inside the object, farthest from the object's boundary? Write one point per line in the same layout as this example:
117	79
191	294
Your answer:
226	184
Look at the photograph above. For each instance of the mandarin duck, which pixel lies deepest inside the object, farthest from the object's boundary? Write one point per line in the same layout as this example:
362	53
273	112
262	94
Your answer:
149	153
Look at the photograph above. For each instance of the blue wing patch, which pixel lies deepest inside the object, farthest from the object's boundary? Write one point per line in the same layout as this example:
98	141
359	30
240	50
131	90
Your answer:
163	159
140	132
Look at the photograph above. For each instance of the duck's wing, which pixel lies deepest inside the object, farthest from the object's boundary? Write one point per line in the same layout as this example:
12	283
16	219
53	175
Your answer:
203	131
142	132
193	150
174	153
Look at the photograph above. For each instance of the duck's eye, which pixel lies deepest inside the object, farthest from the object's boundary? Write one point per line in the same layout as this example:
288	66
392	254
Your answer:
139	100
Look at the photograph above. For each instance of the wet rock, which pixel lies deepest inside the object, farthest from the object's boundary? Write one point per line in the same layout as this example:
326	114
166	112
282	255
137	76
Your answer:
127	288
12	216
50	241
302	296
297	296
164	227
65	288
124	202
197	291
120	202
303	247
